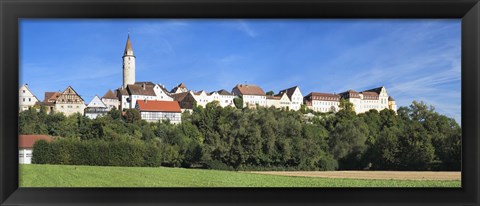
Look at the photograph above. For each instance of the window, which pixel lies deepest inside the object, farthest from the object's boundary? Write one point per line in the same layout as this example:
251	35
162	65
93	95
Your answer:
29	99
24	91
23	99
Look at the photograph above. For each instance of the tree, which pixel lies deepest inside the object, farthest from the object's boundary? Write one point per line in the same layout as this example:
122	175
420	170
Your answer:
132	116
270	93
238	101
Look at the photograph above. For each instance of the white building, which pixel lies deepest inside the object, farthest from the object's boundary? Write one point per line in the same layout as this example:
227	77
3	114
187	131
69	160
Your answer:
201	98
162	93
376	98
223	97
110	100
95	108
280	101
252	95
153	111
295	96
26	98
25	146
69	102
322	102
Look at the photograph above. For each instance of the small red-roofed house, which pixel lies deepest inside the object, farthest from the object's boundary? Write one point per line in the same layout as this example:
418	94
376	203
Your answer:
154	110
25	146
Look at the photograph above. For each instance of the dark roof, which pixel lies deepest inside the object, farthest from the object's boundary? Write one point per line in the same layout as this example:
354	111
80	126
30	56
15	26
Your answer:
390	98
376	90
109	95
249	89
223	92
289	91
158	106
121	91
136	89
27	141
179	96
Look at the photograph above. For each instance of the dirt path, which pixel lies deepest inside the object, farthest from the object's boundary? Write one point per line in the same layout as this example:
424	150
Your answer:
397	175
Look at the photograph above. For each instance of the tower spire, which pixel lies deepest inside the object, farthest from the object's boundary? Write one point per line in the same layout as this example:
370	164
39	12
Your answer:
128	47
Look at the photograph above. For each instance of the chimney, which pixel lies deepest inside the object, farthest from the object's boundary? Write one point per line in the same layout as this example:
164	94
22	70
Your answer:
143	86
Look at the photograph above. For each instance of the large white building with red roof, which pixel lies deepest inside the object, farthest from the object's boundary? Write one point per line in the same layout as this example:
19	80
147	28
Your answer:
154	110
252	95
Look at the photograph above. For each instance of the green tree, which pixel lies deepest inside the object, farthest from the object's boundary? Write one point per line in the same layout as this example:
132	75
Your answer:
238	101
132	116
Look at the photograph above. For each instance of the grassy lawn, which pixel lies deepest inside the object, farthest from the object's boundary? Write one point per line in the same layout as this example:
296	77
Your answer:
95	176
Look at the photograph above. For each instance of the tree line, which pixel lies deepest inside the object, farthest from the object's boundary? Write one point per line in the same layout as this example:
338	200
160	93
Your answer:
416	138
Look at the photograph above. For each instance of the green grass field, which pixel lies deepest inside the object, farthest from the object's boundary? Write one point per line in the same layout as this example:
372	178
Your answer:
94	176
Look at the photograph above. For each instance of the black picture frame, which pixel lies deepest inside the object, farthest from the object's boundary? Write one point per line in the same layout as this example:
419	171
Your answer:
13	10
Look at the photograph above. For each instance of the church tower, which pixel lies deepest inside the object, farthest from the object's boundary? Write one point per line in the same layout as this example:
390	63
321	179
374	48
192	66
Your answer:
128	64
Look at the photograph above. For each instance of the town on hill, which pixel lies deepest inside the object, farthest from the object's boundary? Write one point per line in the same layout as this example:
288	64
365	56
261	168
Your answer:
156	103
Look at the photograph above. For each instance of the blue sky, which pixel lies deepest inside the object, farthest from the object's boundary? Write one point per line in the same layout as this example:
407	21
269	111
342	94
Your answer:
413	59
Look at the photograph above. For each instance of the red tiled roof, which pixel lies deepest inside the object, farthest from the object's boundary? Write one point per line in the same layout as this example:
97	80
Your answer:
27	141
158	106
318	96
248	89
51	96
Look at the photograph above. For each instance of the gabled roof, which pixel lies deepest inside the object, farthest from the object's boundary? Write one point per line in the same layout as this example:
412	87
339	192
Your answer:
109	95
69	90
136	89
376	90
158	106
249	89
27	141
180	86
390	98
223	92
97	103
289	91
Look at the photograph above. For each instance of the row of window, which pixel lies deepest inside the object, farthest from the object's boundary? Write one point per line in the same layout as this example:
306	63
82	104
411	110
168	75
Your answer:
155	116
29	99
326	103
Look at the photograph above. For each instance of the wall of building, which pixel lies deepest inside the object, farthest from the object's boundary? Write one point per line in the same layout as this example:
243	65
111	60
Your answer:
174	117
69	109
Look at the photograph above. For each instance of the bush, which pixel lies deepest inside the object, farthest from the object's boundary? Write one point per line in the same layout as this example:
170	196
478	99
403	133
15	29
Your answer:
216	165
97	153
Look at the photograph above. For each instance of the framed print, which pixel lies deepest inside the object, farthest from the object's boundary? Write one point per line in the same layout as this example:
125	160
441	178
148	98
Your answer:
239	102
